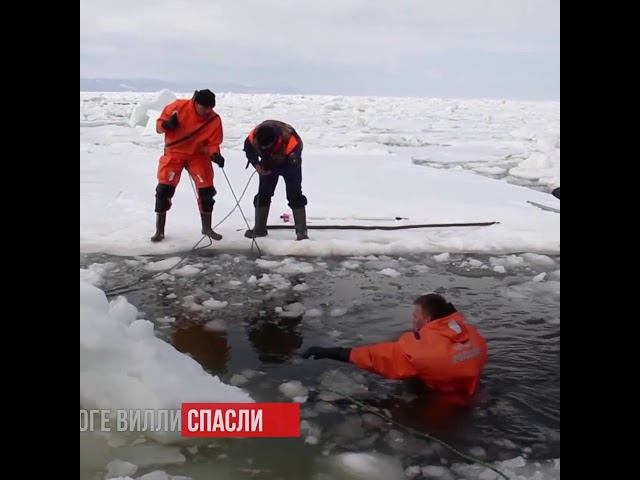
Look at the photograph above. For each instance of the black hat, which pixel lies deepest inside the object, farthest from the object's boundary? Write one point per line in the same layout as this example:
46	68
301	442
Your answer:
266	136
206	98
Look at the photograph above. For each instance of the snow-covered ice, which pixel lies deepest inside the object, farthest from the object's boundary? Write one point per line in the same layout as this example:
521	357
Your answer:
124	365
118	164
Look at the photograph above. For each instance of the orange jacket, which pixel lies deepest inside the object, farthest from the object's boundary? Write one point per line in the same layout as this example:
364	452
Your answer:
446	354
206	140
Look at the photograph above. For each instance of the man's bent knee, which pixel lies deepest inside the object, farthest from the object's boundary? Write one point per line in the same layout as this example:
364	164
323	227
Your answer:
164	193
205	195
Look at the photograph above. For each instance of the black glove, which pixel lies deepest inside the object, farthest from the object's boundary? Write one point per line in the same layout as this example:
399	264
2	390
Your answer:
340	354
218	159
171	123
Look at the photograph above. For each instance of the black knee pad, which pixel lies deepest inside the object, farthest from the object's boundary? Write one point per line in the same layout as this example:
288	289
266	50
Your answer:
164	193
297	201
261	201
205	196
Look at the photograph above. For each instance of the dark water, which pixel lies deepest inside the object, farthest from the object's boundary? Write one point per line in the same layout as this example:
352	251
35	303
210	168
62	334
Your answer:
518	408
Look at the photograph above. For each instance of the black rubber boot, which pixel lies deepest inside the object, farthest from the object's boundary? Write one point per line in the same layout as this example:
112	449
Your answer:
300	218
260	223
161	219
206	227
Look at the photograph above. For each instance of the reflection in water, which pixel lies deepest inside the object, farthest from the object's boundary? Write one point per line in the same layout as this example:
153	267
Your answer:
411	403
274	339
210	349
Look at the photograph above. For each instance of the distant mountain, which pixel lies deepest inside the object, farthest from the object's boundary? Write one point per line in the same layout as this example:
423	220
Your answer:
152	85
